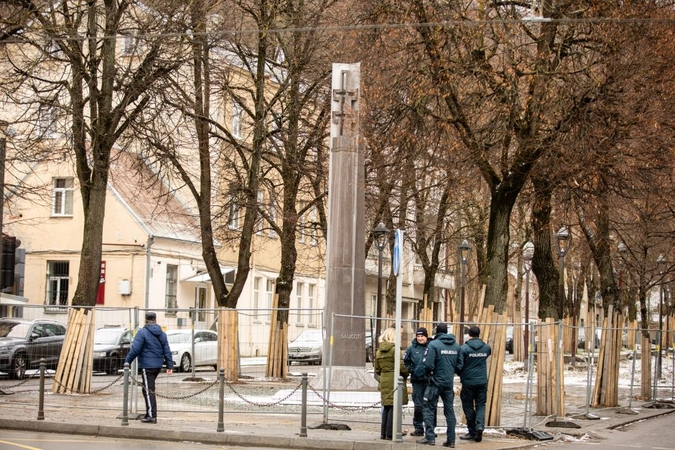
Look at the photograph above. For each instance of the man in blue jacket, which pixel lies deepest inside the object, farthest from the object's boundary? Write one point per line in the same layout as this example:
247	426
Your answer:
414	362
152	349
440	363
472	367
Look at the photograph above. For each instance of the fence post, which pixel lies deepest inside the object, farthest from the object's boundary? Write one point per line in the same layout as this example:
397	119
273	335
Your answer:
303	406
221	400
125	396
41	401
398	434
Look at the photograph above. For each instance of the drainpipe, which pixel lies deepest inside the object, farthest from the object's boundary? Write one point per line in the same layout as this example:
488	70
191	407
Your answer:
148	255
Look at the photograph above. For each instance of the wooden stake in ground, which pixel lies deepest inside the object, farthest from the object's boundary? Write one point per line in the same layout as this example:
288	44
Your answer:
496	339
277	354
228	330
550	384
606	392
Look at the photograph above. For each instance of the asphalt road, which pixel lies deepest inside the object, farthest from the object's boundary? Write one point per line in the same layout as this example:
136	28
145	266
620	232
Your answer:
656	434
30	440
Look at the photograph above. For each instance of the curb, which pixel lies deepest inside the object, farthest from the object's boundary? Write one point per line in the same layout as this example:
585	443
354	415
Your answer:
220	438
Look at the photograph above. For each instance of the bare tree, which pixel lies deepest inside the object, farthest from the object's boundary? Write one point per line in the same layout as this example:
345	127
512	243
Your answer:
68	58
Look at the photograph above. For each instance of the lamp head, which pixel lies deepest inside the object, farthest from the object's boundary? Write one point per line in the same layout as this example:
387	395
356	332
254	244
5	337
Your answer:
563	238
622	248
464	249
379	233
528	251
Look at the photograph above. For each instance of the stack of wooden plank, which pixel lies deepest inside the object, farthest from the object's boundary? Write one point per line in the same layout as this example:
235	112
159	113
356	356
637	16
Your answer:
606	392
73	374
493	332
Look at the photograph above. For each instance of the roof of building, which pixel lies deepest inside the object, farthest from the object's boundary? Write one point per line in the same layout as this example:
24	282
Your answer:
155	206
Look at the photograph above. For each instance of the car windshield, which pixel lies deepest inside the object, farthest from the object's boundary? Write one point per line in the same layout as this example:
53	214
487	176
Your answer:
179	338
14	329
309	336
107	337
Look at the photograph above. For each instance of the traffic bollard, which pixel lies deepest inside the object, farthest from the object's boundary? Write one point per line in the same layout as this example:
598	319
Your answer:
303	410
41	401
125	396
221	401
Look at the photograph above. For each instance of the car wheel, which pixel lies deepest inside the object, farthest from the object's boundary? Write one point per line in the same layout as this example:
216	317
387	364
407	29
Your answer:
18	370
185	363
113	366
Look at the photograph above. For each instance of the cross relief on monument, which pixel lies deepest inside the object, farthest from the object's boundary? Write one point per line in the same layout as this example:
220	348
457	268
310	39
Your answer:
348	102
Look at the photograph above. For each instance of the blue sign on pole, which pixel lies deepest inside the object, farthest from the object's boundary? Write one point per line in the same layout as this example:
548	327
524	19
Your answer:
398	246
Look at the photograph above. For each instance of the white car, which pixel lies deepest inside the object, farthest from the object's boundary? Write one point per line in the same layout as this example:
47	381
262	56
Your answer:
306	348
205	349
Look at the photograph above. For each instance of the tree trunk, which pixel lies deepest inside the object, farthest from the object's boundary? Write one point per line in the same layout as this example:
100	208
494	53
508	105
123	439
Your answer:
496	274
543	265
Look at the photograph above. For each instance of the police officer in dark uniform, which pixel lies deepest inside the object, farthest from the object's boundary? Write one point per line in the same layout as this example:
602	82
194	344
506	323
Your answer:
472	367
440	363
414	362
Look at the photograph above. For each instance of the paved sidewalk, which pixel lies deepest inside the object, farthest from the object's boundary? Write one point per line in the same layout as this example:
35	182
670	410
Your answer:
84	414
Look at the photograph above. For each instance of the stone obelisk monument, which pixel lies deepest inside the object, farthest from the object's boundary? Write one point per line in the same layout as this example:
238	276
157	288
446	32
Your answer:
345	266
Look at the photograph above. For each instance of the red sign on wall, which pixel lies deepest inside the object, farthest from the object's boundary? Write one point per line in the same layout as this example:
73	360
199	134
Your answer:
100	296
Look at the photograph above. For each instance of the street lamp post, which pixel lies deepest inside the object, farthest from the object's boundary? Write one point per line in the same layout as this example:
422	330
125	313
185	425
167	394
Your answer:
3	152
660	261
380	236
528	254
622	262
576	269
563	238
464	249
666	301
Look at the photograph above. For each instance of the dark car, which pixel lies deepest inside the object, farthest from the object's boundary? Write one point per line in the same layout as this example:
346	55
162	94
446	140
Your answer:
509	340
24	342
111	345
369	346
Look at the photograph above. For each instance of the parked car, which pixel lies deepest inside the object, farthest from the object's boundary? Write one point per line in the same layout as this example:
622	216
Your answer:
509	339
308	347
24	342
111	345
369	346
205	349
581	339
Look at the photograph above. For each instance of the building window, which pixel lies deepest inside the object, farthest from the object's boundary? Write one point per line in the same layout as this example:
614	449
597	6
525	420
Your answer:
237	119
58	280
260	220
311	299
299	287
273	219
200	302
171	302
307	224
234	215
130	44
256	298
46	122
269	292
302	219
312	226
62	197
